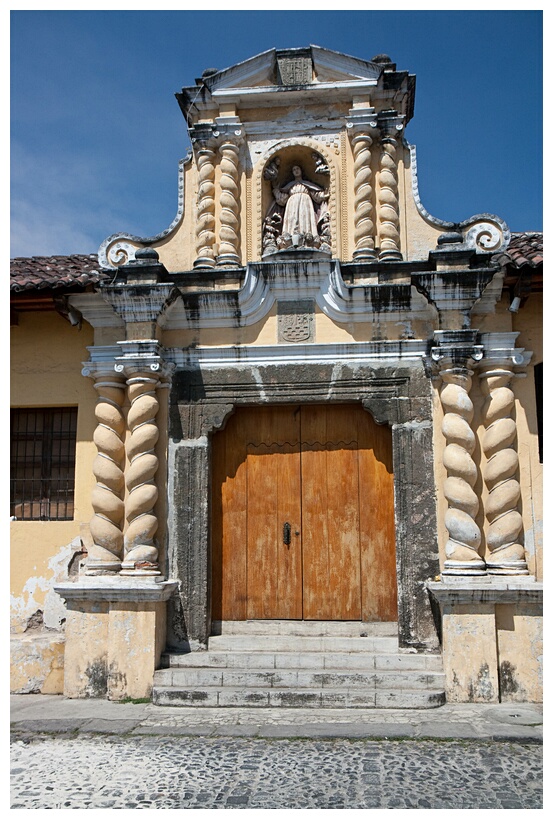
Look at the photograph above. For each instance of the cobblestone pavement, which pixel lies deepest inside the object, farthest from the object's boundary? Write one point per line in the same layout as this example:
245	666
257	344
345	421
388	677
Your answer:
229	772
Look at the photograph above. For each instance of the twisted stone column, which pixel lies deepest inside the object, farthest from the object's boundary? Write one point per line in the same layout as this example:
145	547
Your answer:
388	201
364	229
506	552
464	534
140	552
205	224
229	233
107	497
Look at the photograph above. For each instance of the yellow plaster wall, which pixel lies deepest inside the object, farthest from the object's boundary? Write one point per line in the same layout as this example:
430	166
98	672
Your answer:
46	356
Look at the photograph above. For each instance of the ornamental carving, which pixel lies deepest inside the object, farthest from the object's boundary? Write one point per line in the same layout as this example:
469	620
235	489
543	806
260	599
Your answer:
298	216
296	321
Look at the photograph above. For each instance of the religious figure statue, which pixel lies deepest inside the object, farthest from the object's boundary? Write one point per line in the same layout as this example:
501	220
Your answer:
298	217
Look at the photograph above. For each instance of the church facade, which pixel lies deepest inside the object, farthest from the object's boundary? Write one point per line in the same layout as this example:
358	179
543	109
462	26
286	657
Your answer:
308	408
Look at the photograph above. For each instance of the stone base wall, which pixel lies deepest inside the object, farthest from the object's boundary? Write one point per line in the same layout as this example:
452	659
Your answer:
115	634
36	663
492	643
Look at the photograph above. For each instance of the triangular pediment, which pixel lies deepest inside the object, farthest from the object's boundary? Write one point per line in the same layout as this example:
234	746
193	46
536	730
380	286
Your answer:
313	65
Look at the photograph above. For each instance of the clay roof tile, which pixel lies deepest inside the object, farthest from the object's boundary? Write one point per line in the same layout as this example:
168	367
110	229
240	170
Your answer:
54	272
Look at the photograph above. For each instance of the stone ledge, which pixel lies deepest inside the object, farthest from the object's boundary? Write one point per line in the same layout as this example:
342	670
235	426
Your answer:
117	589
526	590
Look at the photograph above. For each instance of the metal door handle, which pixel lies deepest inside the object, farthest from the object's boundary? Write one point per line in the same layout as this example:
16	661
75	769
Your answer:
286	531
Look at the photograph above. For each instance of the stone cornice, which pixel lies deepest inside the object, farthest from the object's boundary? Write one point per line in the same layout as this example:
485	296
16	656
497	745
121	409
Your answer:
354	353
489	590
114	588
321	280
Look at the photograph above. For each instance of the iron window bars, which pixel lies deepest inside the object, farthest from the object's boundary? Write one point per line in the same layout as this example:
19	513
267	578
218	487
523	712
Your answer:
43	445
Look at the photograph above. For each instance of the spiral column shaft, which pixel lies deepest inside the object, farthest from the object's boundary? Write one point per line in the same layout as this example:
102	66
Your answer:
140	552
205	225
506	552
388	201
106	552
229	233
464	534
364	225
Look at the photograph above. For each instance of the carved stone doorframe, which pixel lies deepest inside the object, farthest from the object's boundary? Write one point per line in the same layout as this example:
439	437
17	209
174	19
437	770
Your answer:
397	394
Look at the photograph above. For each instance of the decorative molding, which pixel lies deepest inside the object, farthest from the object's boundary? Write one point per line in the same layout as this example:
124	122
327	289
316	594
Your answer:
343	252
119	248
362	352
484	232
267	281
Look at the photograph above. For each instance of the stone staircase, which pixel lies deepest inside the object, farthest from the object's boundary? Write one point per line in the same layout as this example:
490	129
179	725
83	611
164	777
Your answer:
300	664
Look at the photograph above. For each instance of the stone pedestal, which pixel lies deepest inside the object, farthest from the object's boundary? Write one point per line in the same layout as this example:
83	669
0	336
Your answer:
491	639
115	634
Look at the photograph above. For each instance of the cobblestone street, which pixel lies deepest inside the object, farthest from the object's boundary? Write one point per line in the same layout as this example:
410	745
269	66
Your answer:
206	772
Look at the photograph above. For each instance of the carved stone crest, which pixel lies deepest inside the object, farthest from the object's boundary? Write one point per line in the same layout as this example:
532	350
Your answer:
297	70
296	321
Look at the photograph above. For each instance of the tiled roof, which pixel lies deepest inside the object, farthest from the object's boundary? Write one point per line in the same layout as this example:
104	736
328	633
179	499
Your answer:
54	272
524	249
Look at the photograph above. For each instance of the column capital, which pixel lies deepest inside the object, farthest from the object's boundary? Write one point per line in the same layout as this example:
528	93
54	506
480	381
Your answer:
391	124
455	349
202	136
143	356
361	122
500	351
228	130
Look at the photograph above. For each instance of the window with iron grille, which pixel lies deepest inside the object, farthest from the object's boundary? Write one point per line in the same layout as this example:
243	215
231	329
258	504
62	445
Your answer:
43	463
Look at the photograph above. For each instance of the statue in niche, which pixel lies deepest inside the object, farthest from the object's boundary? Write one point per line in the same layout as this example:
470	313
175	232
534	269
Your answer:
298	217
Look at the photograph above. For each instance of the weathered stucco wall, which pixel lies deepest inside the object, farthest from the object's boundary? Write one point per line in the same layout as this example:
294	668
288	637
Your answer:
46	356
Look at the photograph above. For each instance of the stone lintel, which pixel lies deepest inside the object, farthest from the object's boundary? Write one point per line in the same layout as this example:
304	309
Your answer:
116	589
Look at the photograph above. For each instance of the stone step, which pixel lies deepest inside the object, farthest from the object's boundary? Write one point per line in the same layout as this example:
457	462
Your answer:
297	697
296	643
305	628
348	661
336	679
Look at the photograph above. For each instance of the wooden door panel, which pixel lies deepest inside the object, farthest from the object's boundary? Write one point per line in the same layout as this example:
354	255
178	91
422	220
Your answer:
378	551
335	488
330	511
274	498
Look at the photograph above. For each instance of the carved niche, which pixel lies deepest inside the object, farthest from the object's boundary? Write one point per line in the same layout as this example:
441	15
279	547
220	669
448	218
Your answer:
298	216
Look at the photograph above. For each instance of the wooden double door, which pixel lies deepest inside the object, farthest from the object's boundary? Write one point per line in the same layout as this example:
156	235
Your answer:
303	516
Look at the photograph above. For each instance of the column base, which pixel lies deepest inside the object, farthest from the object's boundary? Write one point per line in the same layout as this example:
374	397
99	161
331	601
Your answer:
390	256
102	568
204	261
130	571
364	254
516	567
228	260
464	568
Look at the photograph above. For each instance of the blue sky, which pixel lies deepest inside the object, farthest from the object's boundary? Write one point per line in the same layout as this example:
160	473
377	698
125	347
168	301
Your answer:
97	133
